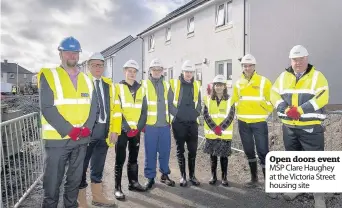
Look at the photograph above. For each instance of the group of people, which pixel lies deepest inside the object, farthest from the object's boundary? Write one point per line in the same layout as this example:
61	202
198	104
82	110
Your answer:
83	115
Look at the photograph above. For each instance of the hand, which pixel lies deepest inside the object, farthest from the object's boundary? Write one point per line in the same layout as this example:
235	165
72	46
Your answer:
85	132
218	130
75	133
293	113
132	133
113	137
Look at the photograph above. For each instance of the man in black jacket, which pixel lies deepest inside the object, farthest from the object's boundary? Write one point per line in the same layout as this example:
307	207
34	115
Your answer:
185	106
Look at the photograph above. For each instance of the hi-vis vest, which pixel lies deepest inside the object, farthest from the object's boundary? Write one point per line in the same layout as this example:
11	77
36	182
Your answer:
176	86
73	104
218	114
252	98
131	109
115	119
151	98
310	94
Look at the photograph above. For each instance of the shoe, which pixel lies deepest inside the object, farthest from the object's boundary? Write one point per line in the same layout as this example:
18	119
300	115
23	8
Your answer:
82	198
132	172
181	163
165	179
192	178
254	175
119	195
149	183
98	196
213	163
224	168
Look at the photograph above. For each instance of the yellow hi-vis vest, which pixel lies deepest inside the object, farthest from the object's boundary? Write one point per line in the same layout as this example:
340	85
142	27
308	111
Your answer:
115	119
218	114
175	85
73	104
151	98
252	98
131	109
310	94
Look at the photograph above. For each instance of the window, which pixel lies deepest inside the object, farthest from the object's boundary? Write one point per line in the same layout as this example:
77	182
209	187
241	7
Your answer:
11	75
25	76
191	25
198	69
171	73
168	34
224	68
151	42
224	14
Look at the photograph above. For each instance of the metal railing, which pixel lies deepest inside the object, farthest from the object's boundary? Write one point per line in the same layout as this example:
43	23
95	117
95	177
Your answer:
275	133
21	159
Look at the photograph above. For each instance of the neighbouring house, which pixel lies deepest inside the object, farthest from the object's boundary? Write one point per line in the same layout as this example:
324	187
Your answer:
9	73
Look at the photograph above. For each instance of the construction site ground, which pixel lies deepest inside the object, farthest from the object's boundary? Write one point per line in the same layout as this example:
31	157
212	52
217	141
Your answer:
204	195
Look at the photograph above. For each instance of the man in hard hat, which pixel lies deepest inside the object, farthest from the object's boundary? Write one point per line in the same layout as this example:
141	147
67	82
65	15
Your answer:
185	107
251	93
68	113
299	95
131	95
157	132
107	127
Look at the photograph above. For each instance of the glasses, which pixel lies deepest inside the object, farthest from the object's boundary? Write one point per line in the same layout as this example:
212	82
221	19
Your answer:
97	66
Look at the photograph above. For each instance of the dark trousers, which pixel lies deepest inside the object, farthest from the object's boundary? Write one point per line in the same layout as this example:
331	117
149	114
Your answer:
120	157
157	143
254	134
301	140
186	132
56	160
96	155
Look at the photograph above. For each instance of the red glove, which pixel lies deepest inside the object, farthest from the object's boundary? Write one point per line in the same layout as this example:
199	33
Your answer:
132	133
85	132
74	133
293	113
218	130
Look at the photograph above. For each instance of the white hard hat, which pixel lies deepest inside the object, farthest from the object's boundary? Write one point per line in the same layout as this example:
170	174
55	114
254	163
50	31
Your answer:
131	64
219	79
298	51
156	63
187	66
96	56
248	59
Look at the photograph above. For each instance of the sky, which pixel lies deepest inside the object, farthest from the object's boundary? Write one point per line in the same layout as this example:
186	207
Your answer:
31	30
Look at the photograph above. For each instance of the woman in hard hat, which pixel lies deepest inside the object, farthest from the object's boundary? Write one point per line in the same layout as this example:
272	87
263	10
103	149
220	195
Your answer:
218	127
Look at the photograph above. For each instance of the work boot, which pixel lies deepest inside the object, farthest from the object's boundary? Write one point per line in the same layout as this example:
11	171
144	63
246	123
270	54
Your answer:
82	198
165	179
150	182
119	195
254	175
224	168
192	177
181	163
319	200
98	196
132	172
213	163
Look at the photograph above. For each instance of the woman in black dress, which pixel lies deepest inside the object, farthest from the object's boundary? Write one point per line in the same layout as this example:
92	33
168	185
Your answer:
218	127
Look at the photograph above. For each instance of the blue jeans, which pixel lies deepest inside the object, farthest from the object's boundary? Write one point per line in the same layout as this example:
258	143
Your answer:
254	134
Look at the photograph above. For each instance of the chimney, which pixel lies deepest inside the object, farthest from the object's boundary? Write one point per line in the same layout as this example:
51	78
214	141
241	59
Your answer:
5	61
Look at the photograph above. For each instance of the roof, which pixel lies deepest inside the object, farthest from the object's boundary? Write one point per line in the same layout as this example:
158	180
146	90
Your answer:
117	46
181	10
12	67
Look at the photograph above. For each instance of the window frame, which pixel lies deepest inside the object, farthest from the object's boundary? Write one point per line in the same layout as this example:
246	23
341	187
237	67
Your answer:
189	22
151	42
168	34
227	13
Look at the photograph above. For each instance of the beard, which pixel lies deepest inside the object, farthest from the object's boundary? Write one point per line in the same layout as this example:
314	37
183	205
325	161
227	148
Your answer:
71	63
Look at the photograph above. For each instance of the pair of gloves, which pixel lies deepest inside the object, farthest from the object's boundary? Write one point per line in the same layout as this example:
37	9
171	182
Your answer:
77	132
293	112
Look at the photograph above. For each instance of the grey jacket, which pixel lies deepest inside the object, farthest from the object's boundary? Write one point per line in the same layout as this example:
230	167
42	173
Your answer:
185	110
161	107
56	120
